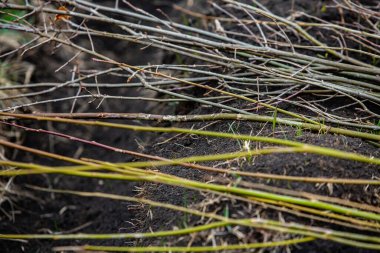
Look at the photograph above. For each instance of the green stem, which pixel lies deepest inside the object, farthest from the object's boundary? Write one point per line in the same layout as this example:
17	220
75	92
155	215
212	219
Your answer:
82	236
198	248
307	148
213	117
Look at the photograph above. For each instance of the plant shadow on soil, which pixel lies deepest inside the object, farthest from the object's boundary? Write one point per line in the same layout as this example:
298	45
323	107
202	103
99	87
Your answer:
64	213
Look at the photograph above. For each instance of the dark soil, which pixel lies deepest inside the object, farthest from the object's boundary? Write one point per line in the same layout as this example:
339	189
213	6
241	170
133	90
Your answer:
47	212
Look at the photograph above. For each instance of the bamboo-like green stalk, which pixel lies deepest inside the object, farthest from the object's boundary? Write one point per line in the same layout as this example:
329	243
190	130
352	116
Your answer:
82	236
247	246
113	168
271	196
215	157
342	237
180	161
321	213
306	147
187	162
135	174
140	175
211	117
43	153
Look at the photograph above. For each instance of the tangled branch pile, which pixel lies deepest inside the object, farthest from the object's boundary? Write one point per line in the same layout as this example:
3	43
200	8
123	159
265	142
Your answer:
286	73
